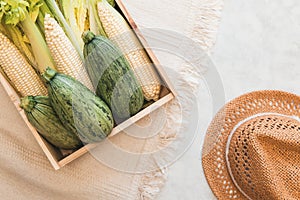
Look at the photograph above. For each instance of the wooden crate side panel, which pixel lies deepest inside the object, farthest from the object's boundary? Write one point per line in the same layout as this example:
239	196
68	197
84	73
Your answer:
141	114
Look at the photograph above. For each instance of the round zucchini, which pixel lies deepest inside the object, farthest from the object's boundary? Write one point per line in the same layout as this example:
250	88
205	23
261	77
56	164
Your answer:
41	115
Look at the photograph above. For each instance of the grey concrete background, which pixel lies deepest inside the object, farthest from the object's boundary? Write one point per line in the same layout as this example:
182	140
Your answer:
258	47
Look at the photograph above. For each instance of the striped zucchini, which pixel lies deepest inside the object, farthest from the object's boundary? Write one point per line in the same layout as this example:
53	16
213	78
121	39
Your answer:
110	73
41	115
79	109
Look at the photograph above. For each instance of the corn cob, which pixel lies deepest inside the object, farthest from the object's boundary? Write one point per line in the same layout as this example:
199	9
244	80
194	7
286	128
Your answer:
119	31
18	70
65	56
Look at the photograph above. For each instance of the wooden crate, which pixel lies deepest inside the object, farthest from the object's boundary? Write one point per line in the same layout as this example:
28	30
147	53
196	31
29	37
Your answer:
55	155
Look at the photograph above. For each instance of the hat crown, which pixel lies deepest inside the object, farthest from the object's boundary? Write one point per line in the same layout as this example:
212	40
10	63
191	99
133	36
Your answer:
263	157
272	171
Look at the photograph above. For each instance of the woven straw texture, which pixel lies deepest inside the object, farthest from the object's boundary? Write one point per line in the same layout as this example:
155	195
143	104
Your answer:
263	152
264	157
25	171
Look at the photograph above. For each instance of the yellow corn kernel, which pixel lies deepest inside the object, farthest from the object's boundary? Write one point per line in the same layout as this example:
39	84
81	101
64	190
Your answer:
64	54
18	70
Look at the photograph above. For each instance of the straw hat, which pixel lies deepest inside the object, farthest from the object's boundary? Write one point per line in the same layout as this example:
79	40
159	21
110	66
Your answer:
252	148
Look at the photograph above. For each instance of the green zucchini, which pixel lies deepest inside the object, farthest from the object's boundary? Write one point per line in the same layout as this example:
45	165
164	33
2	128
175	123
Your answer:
79	109
112	77
41	115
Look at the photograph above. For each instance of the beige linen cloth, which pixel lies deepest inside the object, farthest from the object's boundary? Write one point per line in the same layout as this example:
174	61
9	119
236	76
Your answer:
25	172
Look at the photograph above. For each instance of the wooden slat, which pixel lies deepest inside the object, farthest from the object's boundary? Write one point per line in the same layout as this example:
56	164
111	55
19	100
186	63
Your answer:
73	156
141	114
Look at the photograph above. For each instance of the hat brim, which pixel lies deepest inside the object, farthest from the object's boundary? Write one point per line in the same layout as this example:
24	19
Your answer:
243	107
